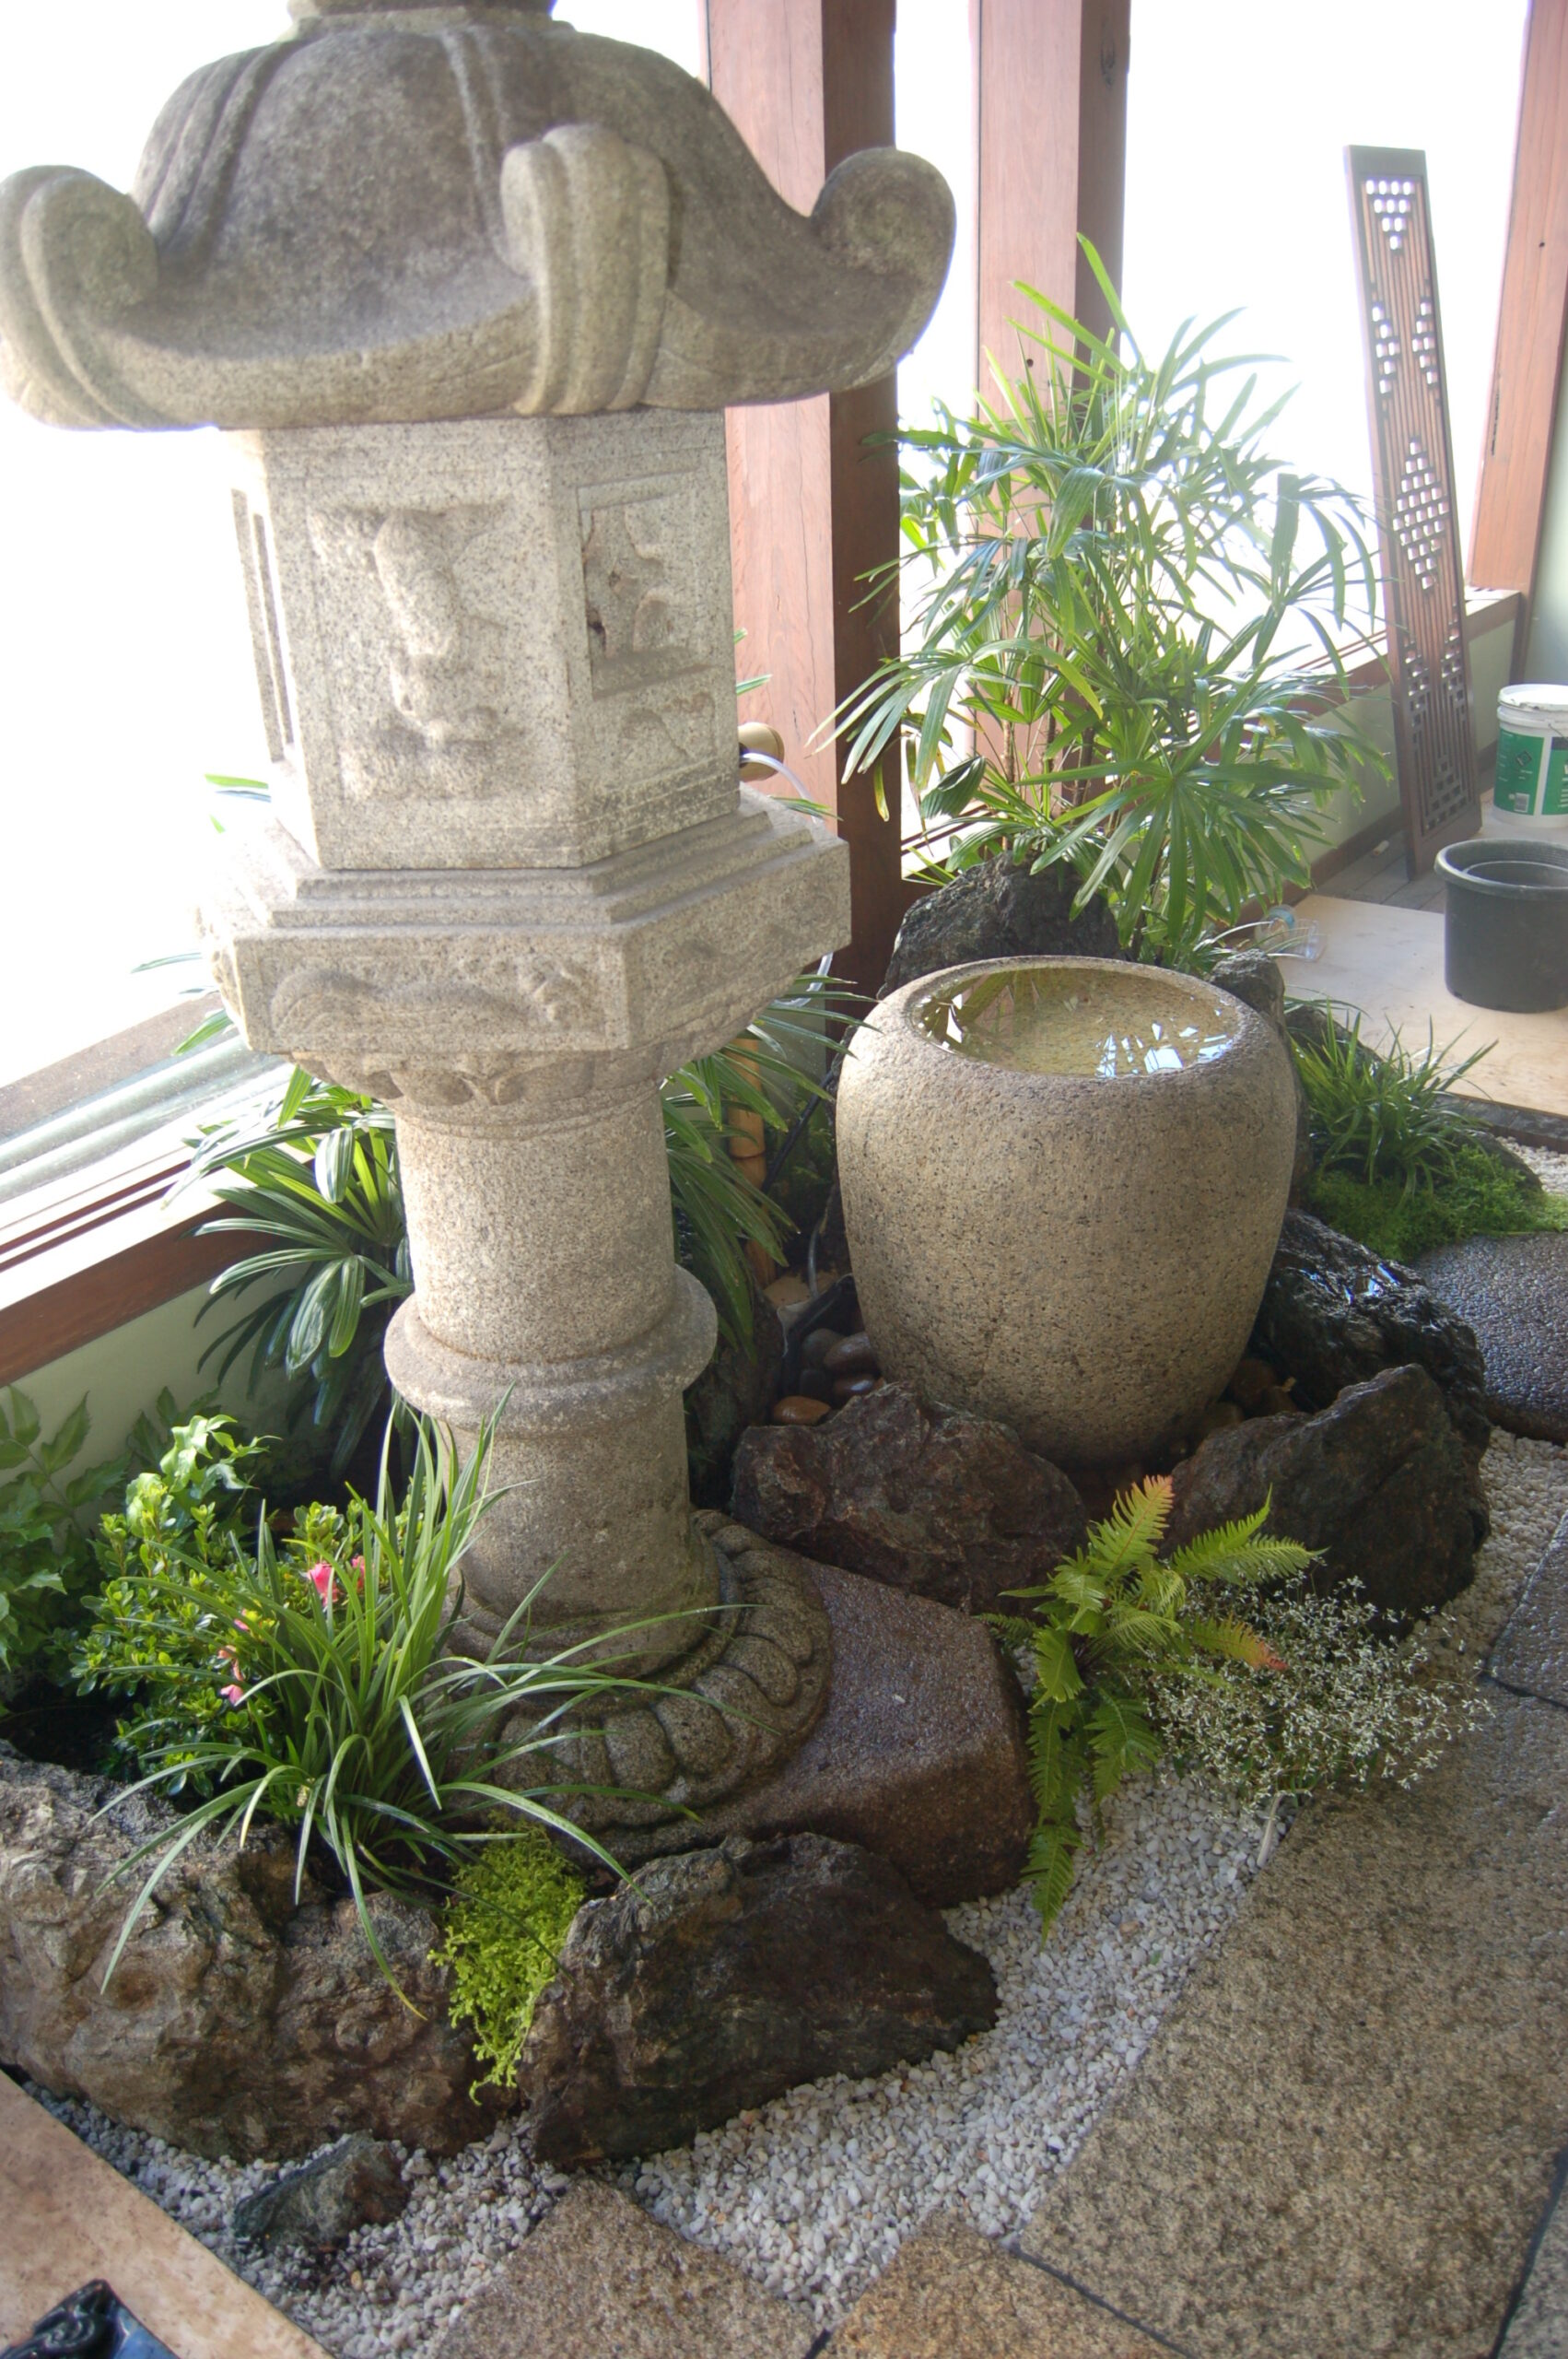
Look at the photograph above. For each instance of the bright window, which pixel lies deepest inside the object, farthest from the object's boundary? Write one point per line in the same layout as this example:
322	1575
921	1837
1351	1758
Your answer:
1238	117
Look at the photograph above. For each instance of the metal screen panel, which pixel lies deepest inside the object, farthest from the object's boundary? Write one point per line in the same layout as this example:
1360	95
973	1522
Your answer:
1412	464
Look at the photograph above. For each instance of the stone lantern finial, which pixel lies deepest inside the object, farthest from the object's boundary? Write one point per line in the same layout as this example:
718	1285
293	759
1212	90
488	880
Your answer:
417	212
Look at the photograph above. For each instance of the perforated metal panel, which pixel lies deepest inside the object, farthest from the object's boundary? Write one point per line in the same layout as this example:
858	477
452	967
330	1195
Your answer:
1412	461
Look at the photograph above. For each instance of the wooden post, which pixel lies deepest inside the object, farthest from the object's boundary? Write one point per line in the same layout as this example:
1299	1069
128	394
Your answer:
1050	160
1527	363
808	82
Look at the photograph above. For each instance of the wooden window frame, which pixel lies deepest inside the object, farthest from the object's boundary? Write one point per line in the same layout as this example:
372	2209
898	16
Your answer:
82	1259
1532	317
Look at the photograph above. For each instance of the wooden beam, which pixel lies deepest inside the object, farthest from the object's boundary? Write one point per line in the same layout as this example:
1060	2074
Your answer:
808	82
1528	362
1050	160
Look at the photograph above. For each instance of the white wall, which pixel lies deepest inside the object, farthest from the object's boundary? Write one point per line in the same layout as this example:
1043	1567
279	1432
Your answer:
122	1373
1547	657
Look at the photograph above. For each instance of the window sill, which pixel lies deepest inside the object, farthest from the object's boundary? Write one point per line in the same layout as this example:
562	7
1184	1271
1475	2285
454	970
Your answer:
85	1254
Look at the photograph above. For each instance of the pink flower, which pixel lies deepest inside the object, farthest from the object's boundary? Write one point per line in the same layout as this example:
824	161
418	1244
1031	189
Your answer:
235	1695
321	1577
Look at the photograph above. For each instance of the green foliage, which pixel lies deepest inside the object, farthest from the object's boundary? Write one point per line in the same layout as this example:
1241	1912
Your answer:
46	1555
166	1566
1382	1116
318	1181
1127	615
1340	1703
1480	1197
717	1209
1108	1622
349	1722
510	1911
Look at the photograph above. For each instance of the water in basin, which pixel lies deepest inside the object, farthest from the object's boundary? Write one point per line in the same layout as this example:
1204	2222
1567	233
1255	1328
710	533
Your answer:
1115	1025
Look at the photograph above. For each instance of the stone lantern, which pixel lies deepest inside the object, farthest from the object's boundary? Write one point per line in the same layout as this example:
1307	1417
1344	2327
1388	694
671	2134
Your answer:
470	292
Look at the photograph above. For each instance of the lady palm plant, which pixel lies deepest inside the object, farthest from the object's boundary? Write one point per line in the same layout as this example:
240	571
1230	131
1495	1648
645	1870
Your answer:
1128	616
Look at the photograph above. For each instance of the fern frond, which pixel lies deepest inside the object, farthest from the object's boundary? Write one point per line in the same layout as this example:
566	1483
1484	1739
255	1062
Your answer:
1121	1742
1050	1868
1161	1590
1077	1583
1055	1757
1234	1553
1234	1641
1055	1671
1133	1631
1132	1531
1012	1629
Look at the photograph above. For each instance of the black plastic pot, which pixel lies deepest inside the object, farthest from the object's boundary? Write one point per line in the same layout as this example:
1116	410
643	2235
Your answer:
1505	936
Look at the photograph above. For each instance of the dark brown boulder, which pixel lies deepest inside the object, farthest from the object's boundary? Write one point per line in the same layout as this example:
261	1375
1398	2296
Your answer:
998	910
720	1978
236	2024
1380	1482
1333	1313
930	1500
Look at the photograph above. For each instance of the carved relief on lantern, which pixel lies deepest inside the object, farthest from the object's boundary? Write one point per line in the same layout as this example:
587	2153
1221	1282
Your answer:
477	624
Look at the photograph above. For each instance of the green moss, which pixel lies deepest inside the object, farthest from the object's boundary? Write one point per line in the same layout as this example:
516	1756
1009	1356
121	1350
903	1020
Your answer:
510	1913
1480	1198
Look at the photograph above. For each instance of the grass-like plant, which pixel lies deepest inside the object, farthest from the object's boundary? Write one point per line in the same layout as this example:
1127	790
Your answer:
1384	1115
349	1722
1110	1623
1127	616
1400	1162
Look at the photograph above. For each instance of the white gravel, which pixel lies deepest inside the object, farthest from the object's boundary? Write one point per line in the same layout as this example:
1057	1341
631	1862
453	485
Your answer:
813	2194
1550	1170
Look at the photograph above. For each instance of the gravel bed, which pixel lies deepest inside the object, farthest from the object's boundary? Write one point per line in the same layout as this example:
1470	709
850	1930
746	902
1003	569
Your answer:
813	2194
1550	1170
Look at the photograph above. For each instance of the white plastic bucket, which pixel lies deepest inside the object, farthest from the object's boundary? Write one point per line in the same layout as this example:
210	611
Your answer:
1531	787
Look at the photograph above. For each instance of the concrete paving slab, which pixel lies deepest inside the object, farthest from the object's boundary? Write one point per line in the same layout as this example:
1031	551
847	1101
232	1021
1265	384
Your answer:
66	2217
1531	1656
1345	2135
1389	963
951	2294
600	2280
1514	1292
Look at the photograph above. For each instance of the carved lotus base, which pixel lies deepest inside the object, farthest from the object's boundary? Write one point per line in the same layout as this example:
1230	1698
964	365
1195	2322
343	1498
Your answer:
733	1709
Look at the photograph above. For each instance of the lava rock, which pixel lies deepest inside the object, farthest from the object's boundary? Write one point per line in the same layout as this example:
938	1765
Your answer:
1253	977
998	910
932	1501
236	2024
735	1389
720	1978
1334	1314
355	2182
1515	1291
1380	1482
